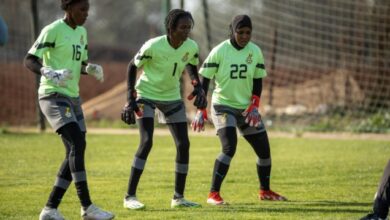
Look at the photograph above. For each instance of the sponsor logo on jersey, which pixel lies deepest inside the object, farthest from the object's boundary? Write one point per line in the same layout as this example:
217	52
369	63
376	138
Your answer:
185	57
249	58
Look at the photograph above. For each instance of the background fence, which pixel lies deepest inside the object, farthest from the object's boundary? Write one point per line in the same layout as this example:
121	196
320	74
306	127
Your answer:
328	61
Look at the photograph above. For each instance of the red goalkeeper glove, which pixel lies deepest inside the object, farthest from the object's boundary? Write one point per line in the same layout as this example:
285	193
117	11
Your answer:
251	114
198	122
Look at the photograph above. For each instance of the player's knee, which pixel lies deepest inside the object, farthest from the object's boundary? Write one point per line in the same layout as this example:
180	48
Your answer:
229	150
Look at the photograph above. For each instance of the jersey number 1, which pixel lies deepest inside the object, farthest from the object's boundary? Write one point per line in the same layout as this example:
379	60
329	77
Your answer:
174	69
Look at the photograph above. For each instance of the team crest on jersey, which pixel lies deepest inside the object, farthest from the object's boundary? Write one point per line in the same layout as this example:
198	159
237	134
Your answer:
68	114
82	40
185	57
222	118
141	108
249	58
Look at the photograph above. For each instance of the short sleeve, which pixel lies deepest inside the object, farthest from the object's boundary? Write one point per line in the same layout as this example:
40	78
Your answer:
143	55
260	67
85	54
195	58
44	42
210	65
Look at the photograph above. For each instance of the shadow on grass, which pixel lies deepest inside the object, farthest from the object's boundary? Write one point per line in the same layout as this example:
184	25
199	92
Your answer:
280	207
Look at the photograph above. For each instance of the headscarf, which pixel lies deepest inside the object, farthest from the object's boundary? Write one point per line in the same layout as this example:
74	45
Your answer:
239	21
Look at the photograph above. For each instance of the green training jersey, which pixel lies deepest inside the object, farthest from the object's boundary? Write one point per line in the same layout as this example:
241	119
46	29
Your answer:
163	66
61	47
234	71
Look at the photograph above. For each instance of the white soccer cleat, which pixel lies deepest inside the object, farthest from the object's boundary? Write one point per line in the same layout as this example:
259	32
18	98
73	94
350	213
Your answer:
50	214
132	203
95	213
183	203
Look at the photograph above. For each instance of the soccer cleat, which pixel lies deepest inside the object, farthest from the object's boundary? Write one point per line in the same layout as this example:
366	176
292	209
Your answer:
183	203
50	214
271	195
215	199
95	213
132	202
372	216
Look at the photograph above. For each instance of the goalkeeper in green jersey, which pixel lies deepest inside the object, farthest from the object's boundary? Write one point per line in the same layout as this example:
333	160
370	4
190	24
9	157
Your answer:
163	60
237	65
59	56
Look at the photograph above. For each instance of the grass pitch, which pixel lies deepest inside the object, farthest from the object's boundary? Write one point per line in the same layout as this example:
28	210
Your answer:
322	178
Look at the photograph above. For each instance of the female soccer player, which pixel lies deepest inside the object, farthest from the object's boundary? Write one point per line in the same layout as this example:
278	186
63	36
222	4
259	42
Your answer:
163	60
238	68
62	48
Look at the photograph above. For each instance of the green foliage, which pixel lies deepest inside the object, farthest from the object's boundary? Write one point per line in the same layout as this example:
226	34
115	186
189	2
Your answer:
377	123
317	175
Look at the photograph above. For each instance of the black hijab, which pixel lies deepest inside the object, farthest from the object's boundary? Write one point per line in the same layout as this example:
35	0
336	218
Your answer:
239	21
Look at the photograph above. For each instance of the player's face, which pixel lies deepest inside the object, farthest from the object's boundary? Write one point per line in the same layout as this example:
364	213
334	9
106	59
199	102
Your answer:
183	29
78	12
243	36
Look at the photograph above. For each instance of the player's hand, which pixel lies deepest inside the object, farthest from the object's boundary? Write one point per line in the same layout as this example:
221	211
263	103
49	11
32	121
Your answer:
130	110
201	99
58	77
199	120
95	70
251	114
253	118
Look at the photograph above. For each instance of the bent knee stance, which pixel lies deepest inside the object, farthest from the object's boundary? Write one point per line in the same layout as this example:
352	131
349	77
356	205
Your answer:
228	138
74	139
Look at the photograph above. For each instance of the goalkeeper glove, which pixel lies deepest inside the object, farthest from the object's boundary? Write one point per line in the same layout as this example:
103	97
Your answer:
95	70
58	77
201	99
198	122
130	109
251	114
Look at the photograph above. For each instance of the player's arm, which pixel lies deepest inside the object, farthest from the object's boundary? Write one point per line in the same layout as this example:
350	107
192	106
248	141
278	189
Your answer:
131	79
257	87
33	63
201	115
131	106
200	100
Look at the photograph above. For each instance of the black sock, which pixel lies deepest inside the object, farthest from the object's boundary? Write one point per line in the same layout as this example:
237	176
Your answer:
55	197
180	183
219	173
83	194
263	173
135	175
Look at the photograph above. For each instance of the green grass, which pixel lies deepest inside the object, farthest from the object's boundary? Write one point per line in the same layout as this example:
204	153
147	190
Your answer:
323	179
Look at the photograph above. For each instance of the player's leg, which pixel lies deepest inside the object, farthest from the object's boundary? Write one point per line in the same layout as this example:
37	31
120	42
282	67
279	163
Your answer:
260	144
173	114
382	199
146	129
179	133
63	180
228	139
75	138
